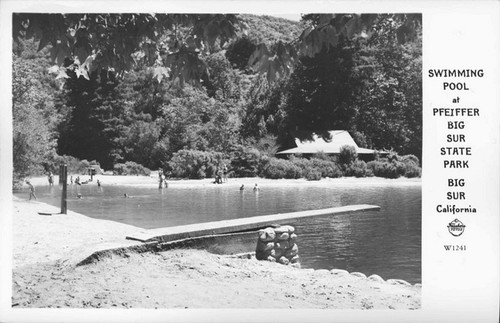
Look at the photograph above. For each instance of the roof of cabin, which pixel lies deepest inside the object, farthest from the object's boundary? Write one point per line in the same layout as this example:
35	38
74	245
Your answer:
338	138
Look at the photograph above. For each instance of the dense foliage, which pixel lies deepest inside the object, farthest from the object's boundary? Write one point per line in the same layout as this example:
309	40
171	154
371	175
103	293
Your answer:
34	117
133	116
196	164
130	168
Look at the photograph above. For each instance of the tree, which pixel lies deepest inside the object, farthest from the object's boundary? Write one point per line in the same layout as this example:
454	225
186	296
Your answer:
265	109
172	43
388	103
32	142
222	82
195	121
324	33
368	86
128	98
320	92
34	120
95	119
240	51
141	143
142	94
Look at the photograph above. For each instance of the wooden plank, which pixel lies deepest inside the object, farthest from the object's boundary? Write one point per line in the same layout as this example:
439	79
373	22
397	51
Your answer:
243	224
48	213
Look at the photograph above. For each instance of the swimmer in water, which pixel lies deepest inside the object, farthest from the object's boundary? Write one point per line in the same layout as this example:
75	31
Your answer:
256	188
242	187
126	195
80	196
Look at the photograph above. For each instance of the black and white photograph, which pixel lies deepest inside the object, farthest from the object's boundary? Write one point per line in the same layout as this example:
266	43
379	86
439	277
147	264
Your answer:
161	162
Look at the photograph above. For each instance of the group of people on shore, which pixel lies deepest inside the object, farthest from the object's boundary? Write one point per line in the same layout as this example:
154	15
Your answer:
50	177
221	175
78	181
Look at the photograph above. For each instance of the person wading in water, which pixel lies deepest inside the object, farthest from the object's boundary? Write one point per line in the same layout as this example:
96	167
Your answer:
32	190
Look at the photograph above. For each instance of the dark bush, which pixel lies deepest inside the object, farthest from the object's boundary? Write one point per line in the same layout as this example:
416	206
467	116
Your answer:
279	168
347	155
301	162
137	169
359	169
245	162
412	170
327	168
195	164
393	156
120	169
312	175
394	166
130	168
322	156
400	167
382	168
324	165
408	166
360	139
410	159
74	165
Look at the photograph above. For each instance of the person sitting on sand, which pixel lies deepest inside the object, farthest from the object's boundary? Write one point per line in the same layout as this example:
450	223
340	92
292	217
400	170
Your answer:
242	187
77	180
32	190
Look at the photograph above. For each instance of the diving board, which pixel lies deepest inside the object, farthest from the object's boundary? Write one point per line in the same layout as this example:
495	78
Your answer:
241	225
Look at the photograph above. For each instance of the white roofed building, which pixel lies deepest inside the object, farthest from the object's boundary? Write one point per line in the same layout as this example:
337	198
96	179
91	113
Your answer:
338	138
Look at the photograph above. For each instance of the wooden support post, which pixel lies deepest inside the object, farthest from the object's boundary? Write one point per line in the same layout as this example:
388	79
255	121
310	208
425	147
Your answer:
63	177
60	174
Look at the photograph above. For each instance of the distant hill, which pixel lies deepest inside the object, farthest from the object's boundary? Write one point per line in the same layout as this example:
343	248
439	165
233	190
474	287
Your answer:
261	29
269	30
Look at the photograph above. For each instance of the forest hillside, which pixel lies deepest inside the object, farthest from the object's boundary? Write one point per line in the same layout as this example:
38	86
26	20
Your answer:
136	119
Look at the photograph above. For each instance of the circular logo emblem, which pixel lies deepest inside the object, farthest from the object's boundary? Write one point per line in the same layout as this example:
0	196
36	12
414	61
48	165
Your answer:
456	227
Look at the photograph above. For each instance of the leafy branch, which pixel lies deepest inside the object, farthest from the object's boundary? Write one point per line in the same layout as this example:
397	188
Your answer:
323	34
172	44
85	43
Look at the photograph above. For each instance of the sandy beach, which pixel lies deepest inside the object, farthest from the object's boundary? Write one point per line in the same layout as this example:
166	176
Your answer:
47	247
249	182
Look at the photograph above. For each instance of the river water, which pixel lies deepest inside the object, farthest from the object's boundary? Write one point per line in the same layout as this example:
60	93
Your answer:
386	243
